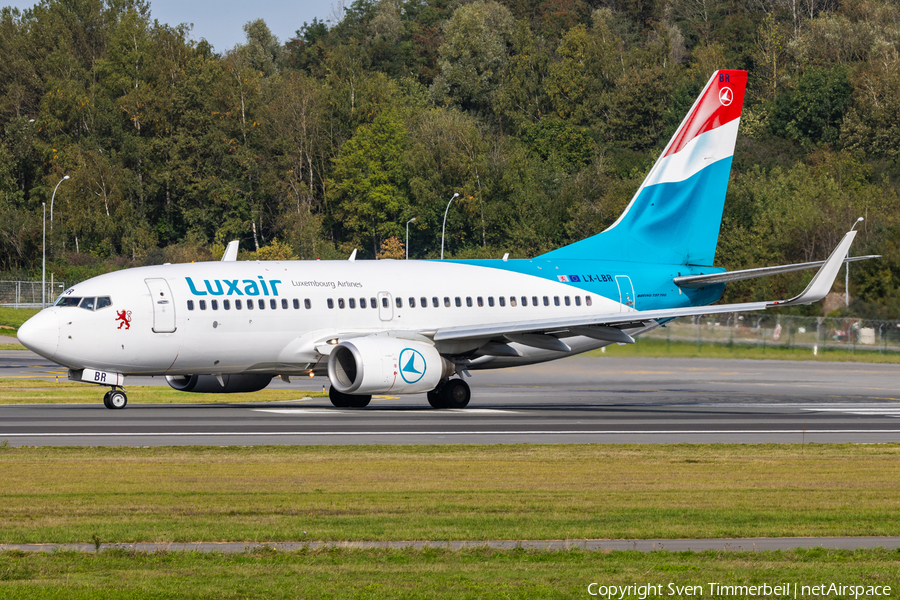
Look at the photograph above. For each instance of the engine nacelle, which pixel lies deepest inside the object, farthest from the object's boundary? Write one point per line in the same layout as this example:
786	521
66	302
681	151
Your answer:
208	384
378	365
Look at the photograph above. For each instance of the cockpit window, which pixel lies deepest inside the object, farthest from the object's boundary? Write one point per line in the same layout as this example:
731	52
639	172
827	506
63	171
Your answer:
103	302
88	303
68	301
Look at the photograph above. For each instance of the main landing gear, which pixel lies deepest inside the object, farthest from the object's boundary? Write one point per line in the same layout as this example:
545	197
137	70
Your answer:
115	399
450	393
341	400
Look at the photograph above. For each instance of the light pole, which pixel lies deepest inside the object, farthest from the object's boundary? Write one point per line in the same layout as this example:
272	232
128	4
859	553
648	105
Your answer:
444	228
44	261
44	244
847	269
413	220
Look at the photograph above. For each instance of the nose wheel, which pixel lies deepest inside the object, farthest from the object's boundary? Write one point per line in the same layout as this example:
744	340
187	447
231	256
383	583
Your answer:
115	399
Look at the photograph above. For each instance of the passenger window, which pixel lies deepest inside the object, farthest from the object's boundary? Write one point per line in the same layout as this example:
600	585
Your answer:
502	300
352	302
546	301
512	300
524	300
555	300
447	301
203	305
88	303
490	300
434	302
458	302
469	301
214	304
362	302
330	303
412	302
480	301
237	305
284	303
307	303
272	304
340	303
249	304
374	304
296	303
587	300
399	302
103	302
261	303
534	301
568	301
423	302
226	304
190	305
577	300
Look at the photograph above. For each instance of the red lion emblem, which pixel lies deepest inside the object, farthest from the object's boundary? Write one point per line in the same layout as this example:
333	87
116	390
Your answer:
124	317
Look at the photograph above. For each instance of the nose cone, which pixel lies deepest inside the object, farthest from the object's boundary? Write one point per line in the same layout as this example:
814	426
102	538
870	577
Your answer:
40	333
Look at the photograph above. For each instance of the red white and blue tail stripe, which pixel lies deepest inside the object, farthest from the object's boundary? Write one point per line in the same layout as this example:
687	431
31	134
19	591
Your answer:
675	215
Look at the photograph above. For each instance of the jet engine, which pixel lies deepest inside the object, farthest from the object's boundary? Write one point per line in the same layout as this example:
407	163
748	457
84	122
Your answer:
208	384
378	365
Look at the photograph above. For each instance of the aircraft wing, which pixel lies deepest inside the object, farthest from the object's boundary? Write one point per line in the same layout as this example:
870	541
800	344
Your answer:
609	326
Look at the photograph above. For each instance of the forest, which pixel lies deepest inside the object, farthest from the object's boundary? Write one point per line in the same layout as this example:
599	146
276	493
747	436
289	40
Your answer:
543	115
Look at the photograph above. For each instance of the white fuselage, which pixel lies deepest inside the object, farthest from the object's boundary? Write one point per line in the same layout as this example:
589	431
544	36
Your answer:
304	305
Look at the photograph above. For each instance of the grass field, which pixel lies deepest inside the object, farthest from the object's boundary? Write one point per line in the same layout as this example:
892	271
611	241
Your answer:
660	348
469	492
470	574
32	391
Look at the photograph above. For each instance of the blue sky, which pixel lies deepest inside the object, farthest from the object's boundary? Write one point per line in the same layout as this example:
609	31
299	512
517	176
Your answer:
221	22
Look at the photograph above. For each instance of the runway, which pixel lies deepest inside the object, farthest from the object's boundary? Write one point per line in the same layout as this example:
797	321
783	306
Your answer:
577	400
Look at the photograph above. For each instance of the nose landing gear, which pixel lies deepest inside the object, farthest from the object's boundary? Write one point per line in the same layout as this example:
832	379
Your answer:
115	399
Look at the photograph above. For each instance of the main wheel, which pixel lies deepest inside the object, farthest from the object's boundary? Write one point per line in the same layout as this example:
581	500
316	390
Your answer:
106	400
338	399
359	401
117	399
456	394
436	398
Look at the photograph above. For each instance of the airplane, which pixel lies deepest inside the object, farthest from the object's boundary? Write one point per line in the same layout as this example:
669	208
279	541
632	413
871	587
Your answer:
410	327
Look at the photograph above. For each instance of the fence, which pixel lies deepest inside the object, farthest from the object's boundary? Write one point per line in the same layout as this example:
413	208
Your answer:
818	334
27	294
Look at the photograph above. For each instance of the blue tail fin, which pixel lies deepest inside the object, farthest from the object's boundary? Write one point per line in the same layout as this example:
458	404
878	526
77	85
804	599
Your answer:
675	215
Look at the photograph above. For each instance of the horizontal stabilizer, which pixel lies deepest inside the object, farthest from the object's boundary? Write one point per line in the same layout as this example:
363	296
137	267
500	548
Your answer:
699	281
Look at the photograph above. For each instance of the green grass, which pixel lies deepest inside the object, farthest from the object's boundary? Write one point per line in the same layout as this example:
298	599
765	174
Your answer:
660	348
12	318
32	391
468	574
284	493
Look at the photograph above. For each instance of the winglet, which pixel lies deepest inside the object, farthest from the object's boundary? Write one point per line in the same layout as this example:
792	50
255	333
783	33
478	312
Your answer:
231	251
823	280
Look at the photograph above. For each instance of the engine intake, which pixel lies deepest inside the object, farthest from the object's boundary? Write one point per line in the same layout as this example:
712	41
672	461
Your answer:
208	384
378	365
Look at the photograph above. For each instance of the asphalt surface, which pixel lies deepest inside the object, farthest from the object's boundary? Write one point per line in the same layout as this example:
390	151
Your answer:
674	545
577	400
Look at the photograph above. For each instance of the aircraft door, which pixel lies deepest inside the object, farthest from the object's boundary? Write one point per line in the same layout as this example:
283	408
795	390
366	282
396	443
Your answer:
626	292
163	305
385	309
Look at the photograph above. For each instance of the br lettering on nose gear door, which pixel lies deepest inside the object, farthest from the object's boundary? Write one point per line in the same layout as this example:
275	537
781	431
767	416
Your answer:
163	306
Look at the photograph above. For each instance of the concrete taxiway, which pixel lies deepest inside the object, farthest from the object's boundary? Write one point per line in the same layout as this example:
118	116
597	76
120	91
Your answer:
577	400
